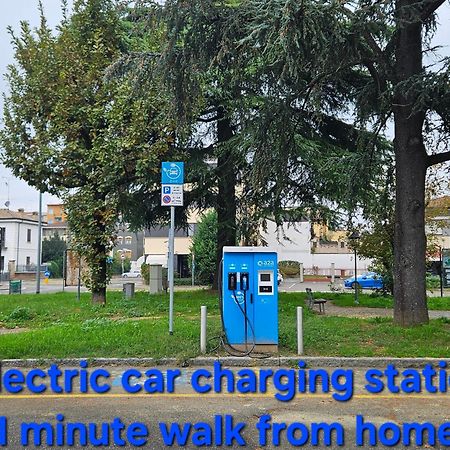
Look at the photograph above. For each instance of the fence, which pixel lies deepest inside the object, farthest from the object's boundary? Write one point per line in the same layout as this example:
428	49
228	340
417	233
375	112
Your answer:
30	268
338	272
4	276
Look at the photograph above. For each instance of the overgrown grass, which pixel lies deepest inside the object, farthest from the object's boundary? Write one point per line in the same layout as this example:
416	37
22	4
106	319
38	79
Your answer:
377	301
63	327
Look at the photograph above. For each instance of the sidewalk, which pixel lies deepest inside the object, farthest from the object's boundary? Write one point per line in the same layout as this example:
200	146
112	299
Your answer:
365	313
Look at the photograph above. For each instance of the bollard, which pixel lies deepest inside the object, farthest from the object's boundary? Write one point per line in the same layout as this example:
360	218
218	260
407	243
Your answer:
203	329
301	272
299	330
333	270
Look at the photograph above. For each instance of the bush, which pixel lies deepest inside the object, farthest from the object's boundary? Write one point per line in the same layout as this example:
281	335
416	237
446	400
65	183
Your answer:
203	247
21	313
433	282
145	273
289	268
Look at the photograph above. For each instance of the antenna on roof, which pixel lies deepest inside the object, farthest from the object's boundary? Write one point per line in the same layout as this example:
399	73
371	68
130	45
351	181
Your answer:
8	202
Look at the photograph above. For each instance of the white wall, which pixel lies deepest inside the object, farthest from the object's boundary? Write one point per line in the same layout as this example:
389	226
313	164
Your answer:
291	243
297	247
18	249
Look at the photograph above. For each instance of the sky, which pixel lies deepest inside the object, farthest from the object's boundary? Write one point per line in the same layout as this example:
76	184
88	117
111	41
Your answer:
19	193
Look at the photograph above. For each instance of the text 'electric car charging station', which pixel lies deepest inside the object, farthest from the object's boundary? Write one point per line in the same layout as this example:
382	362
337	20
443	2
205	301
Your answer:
249	300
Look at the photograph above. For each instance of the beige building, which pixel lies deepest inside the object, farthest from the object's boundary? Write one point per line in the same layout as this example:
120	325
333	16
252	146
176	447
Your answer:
156	245
56	220
438	221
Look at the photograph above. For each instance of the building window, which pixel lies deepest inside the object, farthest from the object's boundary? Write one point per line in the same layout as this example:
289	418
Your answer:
2	264
120	240
28	261
342	244
28	235
191	229
3	237
128	240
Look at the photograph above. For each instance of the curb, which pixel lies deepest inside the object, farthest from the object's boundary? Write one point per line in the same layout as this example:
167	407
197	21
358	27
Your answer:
289	361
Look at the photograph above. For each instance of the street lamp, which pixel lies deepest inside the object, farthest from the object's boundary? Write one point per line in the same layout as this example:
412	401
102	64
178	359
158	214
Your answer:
354	237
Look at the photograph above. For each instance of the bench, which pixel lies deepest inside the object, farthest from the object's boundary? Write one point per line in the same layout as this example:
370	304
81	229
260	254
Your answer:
312	301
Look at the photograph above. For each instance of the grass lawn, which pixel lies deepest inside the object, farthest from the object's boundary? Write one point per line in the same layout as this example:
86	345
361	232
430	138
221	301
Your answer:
60	326
370	301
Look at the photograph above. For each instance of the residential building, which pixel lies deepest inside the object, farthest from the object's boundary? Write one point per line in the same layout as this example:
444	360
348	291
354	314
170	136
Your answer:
56	213
315	247
438	221
156	247
130	243
56	219
20	244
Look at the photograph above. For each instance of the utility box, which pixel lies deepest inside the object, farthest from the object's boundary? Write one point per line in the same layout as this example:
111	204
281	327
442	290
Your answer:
128	290
155	278
250	298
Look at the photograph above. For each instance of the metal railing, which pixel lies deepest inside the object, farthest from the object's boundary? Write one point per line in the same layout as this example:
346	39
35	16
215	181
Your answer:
29	268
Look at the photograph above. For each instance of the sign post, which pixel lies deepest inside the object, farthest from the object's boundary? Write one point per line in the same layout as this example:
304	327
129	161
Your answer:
172	179
445	267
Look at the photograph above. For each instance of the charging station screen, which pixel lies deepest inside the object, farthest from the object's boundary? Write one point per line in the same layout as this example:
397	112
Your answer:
265	276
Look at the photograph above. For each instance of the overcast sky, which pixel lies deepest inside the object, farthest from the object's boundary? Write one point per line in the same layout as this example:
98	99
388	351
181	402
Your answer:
13	11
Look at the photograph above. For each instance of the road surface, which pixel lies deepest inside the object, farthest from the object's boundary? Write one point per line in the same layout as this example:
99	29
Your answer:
187	406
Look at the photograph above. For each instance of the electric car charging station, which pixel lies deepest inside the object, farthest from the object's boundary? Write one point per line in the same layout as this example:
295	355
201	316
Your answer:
249	299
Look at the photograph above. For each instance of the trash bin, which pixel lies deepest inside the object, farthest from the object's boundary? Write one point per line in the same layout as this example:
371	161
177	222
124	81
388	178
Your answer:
128	290
15	287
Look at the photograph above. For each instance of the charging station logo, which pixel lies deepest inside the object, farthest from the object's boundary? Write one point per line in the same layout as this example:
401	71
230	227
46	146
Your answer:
239	297
266	263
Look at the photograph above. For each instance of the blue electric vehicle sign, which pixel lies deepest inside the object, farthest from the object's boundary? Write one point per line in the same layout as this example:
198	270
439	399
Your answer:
172	173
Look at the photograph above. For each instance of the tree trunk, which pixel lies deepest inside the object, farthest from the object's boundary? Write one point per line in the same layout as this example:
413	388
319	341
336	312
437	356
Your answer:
226	197
410	305
99	289
99	296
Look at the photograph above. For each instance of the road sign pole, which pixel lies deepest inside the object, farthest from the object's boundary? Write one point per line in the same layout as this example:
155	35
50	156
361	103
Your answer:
39	248
172	179
171	263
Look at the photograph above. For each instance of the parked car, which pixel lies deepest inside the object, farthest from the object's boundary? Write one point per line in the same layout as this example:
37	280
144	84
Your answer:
134	274
368	280
280	278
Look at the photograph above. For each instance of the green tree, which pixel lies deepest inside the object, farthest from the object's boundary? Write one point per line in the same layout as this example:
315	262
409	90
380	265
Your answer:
203	248
53	248
53	252
374	50
70	132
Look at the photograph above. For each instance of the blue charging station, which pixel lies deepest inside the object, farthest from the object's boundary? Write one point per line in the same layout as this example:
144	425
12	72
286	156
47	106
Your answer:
250	298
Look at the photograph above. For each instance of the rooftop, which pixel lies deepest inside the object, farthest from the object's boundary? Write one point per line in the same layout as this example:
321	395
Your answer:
7	214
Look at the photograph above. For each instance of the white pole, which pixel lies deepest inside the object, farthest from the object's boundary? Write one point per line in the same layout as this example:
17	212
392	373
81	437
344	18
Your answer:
301	272
171	254
39	248
203	329
333	270
299	330
193	270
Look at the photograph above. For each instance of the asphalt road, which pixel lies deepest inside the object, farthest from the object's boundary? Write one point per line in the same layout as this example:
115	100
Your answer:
187	406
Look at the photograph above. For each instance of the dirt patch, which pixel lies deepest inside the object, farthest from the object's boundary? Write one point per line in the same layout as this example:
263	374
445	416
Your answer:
12	330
